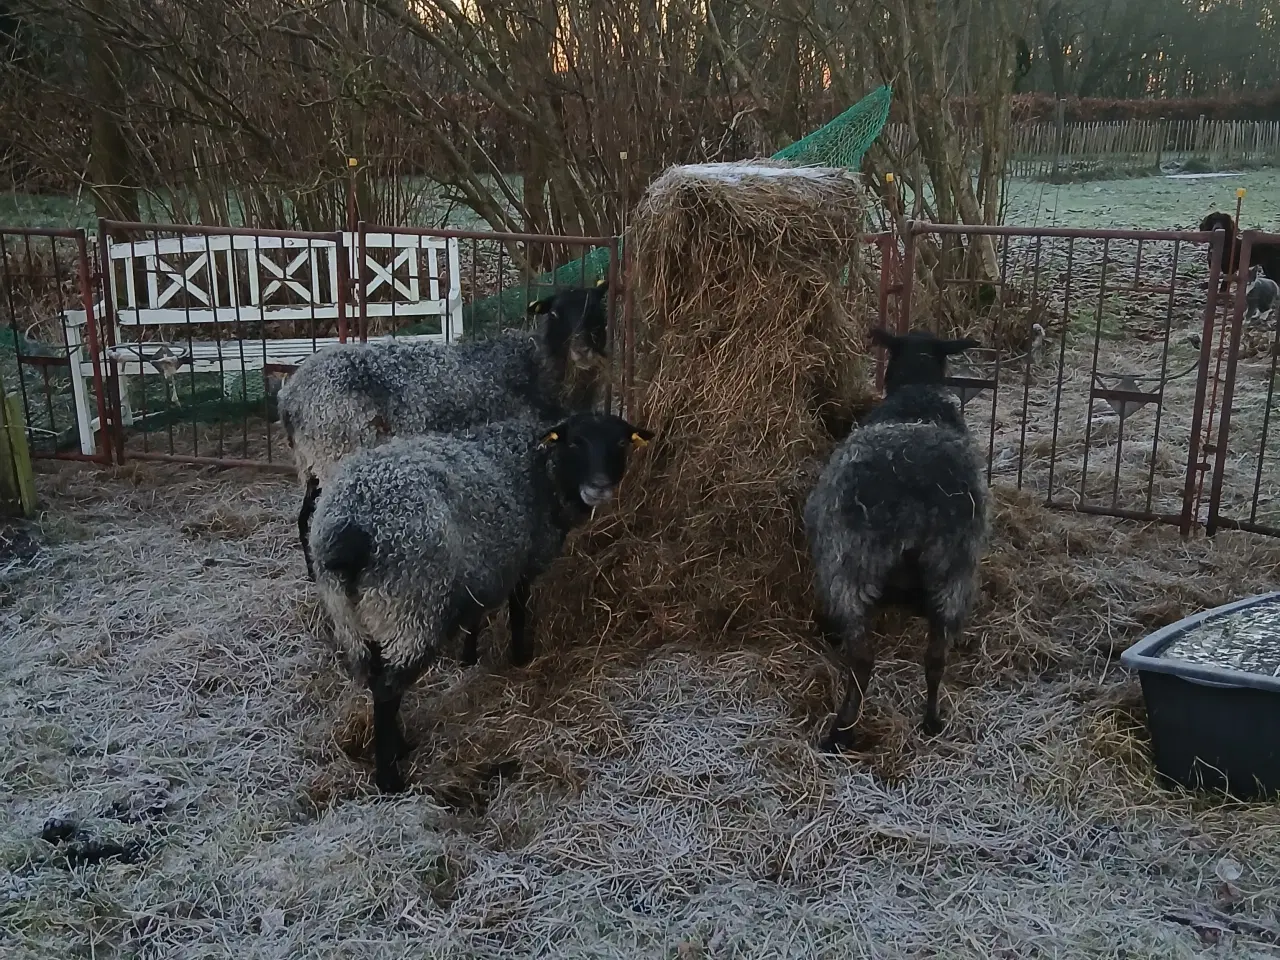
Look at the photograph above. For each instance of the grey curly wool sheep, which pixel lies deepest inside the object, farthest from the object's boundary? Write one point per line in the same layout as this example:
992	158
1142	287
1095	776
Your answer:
354	395
417	539
899	517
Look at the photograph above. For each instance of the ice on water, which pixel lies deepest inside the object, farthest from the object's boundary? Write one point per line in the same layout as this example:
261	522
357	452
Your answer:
1247	640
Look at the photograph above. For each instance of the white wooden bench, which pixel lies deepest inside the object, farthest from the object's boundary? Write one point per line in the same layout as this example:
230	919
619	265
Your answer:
187	293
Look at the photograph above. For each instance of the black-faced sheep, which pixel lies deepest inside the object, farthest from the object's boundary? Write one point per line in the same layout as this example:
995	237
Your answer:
1265	255
899	517
418	539
350	396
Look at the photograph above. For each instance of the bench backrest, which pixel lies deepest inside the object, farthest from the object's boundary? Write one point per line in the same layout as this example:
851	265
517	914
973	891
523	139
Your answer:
234	278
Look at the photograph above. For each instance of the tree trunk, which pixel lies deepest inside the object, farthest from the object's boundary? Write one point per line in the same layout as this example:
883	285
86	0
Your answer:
115	192
790	120
1049	13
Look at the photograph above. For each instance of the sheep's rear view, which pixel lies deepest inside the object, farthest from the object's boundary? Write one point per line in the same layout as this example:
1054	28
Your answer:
899	517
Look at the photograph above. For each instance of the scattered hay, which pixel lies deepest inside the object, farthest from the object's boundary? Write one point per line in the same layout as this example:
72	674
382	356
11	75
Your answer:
664	800
747	365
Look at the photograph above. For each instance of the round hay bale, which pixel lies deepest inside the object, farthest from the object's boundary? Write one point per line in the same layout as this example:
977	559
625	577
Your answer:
749	365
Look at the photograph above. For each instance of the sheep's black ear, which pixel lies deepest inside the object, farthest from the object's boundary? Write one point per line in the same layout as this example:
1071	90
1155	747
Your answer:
883	338
541	306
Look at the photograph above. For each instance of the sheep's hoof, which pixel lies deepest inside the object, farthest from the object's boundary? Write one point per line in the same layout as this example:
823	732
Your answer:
933	726
521	658
838	740
390	781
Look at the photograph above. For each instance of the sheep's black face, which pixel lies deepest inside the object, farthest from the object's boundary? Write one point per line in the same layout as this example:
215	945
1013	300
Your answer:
589	453
917	357
577	322
1216	221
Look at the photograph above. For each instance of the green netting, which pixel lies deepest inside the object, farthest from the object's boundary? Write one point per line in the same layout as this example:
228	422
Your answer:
841	143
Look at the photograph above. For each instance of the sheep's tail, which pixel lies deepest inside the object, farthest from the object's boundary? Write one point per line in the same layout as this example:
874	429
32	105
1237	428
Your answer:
345	554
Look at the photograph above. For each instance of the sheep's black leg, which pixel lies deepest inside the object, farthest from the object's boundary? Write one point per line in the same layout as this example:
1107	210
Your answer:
518	615
935	665
470	627
389	743
470	647
828	629
309	498
860	661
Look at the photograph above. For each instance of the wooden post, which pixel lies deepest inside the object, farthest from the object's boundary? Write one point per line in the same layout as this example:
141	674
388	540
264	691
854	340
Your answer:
17	481
353	206
1060	124
1160	136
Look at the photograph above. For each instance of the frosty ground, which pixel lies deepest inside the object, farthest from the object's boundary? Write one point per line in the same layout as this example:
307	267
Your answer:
164	681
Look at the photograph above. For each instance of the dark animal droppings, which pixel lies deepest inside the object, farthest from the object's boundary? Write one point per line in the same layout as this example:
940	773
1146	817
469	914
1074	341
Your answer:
58	830
90	852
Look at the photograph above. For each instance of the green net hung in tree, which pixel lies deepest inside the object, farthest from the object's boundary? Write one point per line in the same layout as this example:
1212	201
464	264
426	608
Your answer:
840	143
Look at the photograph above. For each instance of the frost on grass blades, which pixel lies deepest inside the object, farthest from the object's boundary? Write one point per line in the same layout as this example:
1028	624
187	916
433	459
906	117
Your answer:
1247	640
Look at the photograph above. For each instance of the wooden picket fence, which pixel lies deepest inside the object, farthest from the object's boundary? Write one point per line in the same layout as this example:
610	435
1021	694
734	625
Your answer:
1043	150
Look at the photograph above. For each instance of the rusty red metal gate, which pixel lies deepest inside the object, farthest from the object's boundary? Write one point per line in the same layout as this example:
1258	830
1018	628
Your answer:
1098	387
1245	487
49	339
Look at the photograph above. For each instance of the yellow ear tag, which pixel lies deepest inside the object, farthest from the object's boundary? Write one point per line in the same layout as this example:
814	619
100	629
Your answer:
533	305
551	437
602	282
638	441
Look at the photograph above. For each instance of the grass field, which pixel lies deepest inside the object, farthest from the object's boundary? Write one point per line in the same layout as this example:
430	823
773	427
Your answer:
32	210
1146	202
167	689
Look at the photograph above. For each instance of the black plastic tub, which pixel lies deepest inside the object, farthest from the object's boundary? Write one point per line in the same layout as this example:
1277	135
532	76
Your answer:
1211	727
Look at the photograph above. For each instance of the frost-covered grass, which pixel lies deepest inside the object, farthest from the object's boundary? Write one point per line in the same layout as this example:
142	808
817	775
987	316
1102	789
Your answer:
1146	203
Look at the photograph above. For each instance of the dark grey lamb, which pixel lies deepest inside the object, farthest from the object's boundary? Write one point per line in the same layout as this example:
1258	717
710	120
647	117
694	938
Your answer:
355	395
1261	295
415	541
899	517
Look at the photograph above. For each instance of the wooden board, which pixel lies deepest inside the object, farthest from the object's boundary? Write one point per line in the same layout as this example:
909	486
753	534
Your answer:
17	481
